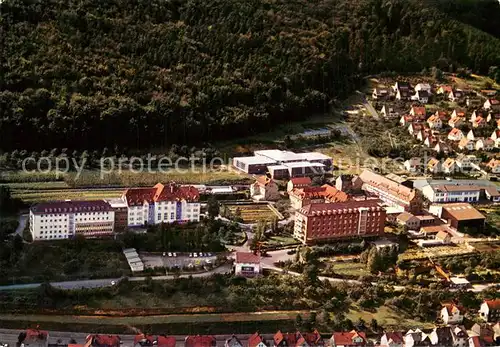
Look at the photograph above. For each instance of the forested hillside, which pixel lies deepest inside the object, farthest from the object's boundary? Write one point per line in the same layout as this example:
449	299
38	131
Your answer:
95	73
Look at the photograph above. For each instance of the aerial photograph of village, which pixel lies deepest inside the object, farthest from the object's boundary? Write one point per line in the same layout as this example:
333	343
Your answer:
249	173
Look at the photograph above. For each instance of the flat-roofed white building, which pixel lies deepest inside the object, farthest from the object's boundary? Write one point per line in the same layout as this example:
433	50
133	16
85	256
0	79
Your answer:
279	156
65	219
305	168
255	165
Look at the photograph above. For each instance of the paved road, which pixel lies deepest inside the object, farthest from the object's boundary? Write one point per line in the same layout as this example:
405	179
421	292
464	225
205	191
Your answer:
23	218
10	336
107	282
368	106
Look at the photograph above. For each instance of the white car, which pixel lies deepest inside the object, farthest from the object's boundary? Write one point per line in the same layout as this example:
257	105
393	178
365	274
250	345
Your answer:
174	254
113	283
196	255
169	254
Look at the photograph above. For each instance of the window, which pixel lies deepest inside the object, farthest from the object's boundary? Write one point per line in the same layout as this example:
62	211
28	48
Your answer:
172	215
159	215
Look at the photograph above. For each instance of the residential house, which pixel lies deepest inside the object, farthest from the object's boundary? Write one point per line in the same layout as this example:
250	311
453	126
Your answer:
434	166
466	145
458	112
348	339
467	162
475	115
406	120
485	333
410	221
310	339
298	182
392	339
488	93
443	236
443	115
492	193
435	122
459	336
285	339
495	136
247	264
480	122
424	87
414	164
470	135
102	341
450	192
492	104
431	141
493	116
449	166
442	147
418	111
392	193
264	189
414	128
455	95
444	89
471	101
34	338
441	336
421	96
349	183
402	90
142	340
455	122
494	166
452	314
490	310
416	338
256	340
389	112
475	341
200	341
233	341
165	341
455	134
485	144
381	94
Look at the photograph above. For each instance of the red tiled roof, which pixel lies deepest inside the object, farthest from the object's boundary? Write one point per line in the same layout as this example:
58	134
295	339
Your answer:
446	88
418	110
35	336
247	257
395	336
166	341
175	192
455	131
385	184
254	340
313	338
200	341
137	196
451	307
493	304
494	101
326	191
346	338
103	340
301	180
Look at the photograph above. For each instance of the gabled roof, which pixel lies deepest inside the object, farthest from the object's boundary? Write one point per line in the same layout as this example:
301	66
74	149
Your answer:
347	338
175	192
200	341
264	180
405	216
71	206
463	142
446	88
395	336
385	184
301	181
254	340
247	257
35	336
451	307
103	340
340	207
233	341
455	131
418	110
463	211
326	191
494	101
493	304
137	196
166	341
448	163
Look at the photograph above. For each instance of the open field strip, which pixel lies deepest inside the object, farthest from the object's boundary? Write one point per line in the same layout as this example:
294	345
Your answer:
33	196
253	213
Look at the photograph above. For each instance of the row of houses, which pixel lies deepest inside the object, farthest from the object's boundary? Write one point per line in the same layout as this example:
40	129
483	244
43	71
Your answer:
480	335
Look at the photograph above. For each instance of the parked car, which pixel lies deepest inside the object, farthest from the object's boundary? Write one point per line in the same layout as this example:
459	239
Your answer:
169	254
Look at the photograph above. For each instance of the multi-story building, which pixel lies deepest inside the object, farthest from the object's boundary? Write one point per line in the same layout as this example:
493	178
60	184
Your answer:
452	193
490	310
66	219
325	222
120	208
391	192
162	204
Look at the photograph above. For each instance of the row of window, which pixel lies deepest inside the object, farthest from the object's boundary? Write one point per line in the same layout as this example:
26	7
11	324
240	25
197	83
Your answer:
77	214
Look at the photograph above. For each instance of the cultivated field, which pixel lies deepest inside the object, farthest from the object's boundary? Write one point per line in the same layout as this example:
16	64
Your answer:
434	252
252	213
34	196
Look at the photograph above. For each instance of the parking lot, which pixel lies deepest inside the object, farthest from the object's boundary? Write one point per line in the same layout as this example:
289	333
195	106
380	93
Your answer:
180	260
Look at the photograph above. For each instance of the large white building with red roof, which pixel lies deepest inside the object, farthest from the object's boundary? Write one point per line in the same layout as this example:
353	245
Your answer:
247	264
162	204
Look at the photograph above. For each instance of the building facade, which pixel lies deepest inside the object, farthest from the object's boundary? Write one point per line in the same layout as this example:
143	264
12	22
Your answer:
247	264
325	222
66	219
162	204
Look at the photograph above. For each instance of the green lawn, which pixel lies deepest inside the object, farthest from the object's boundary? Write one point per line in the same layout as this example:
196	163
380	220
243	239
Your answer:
348	268
281	241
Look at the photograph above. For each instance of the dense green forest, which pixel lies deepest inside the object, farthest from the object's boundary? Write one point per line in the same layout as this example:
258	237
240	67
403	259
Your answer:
93	74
